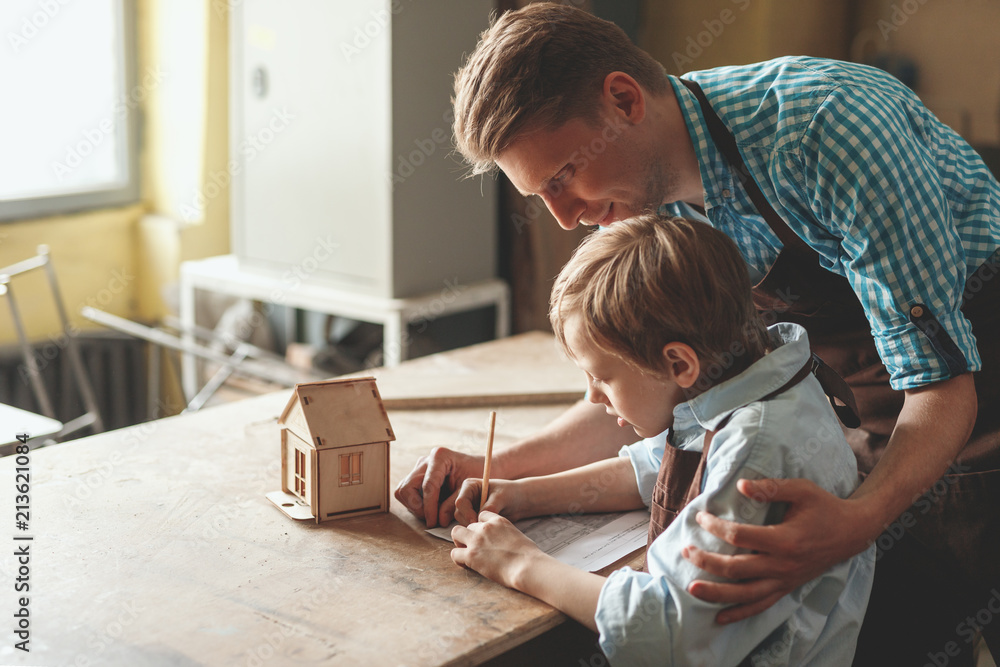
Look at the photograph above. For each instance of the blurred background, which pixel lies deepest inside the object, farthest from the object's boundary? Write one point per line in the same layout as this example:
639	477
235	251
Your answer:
130	143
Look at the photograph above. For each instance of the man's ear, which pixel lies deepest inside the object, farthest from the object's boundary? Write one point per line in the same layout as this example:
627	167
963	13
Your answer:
624	94
682	363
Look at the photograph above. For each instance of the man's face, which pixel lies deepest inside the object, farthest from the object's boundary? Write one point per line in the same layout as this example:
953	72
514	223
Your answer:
591	174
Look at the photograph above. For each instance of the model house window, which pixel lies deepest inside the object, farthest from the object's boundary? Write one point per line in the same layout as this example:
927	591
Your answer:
350	469
300	473
68	129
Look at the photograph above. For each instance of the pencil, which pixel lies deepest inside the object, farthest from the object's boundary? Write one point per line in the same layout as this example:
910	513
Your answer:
489	460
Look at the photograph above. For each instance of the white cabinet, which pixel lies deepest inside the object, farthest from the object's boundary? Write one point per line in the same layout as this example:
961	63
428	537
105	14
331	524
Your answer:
344	172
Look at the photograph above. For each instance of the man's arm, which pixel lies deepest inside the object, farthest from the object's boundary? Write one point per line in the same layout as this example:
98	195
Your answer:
899	246
819	529
583	434
608	485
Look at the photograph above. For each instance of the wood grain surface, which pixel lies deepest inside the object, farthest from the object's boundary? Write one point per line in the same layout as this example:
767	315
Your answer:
155	545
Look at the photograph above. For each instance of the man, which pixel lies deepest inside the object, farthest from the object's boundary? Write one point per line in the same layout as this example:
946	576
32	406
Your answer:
866	220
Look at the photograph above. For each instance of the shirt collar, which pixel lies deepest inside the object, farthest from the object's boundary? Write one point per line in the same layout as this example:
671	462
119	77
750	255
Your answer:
790	352
716	178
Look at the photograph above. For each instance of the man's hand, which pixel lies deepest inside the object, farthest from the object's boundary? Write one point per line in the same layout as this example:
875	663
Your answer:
818	531
441	473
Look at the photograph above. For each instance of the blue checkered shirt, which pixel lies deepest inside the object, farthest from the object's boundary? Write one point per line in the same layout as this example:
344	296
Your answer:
865	174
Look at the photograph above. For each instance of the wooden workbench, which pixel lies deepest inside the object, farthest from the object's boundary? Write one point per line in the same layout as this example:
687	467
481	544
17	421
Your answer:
155	545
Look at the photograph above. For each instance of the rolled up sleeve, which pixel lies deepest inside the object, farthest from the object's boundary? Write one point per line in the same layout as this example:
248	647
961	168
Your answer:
646	456
871	178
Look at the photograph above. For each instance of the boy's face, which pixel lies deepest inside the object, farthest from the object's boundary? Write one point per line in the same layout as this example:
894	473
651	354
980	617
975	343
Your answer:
639	400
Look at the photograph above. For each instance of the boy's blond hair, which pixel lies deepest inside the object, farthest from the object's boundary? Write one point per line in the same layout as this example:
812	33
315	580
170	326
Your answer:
535	69
649	281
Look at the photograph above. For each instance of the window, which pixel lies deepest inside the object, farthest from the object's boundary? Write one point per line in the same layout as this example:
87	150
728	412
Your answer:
68	130
300	474
350	469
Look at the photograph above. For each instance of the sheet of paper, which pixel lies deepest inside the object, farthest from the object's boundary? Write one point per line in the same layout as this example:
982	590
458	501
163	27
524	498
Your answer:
587	541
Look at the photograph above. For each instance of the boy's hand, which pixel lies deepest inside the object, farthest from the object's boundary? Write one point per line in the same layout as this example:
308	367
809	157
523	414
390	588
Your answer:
505	498
494	548
436	475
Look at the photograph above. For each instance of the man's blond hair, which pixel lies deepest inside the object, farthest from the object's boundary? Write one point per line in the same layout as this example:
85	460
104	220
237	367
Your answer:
649	281
536	68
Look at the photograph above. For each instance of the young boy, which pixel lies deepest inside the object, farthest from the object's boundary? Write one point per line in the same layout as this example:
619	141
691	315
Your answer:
659	315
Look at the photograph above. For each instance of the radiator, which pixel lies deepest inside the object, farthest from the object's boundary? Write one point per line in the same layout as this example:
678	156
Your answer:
116	367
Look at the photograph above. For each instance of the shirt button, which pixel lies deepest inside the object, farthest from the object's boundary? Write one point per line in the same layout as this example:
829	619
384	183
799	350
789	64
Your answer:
727	193
917	311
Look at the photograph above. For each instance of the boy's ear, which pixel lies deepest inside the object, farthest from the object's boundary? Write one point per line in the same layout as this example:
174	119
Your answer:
625	96
682	363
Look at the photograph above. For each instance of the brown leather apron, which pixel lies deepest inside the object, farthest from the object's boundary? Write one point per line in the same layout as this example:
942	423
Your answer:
681	472
957	521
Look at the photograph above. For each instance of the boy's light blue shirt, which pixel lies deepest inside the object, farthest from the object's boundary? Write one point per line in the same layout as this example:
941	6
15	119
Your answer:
648	618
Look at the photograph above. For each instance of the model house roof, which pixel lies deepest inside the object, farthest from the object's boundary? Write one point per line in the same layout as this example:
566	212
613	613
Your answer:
337	413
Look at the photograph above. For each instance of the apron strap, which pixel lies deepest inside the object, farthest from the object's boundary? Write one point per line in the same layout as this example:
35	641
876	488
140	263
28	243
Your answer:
726	143
797	378
833	385
836	389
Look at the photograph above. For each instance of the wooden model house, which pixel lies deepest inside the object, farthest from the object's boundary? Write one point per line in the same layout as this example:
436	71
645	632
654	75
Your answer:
335	439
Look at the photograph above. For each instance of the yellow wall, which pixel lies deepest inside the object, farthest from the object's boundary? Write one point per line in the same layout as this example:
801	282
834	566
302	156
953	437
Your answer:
953	44
957	53
688	35
164	242
212	237
95	262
